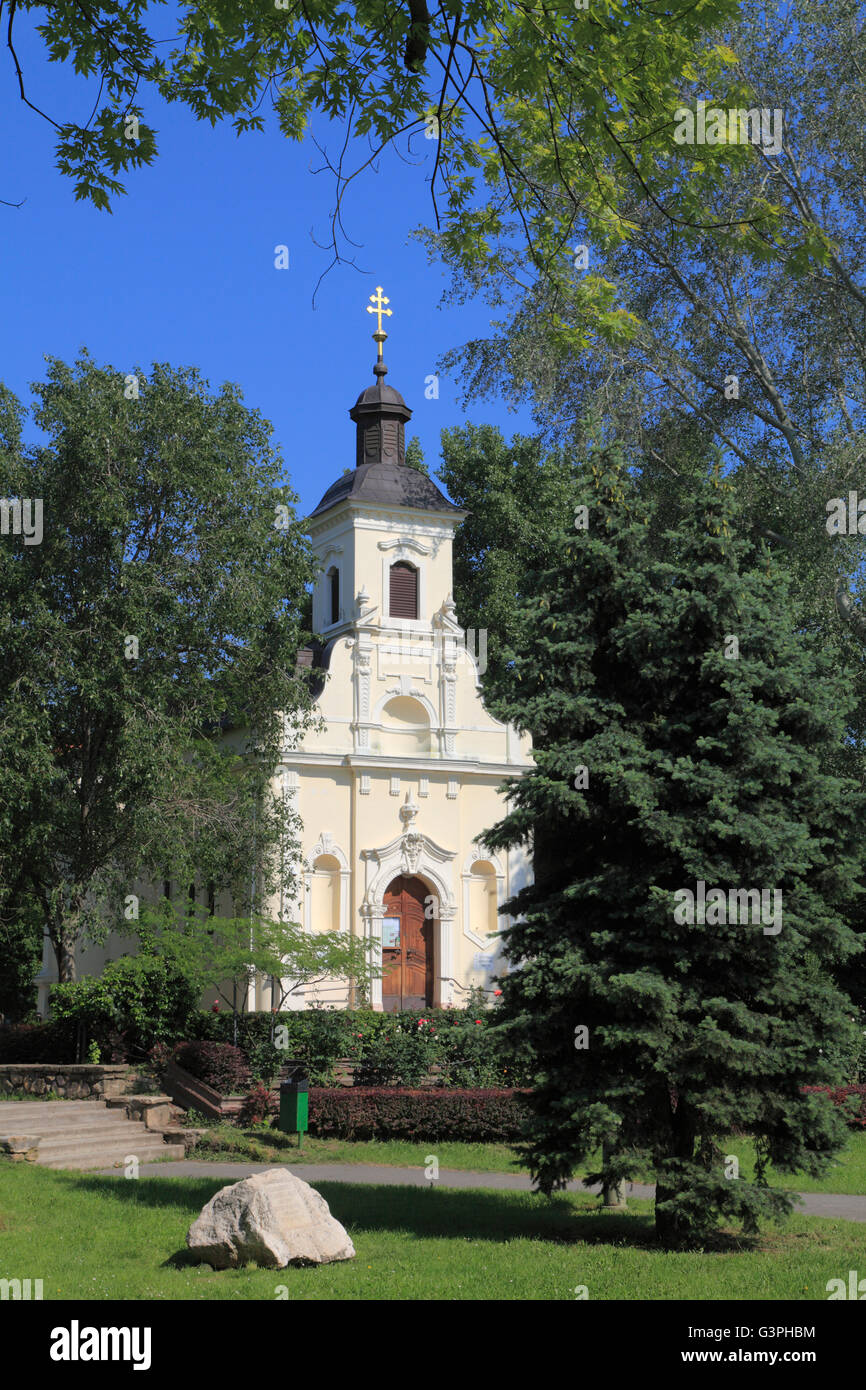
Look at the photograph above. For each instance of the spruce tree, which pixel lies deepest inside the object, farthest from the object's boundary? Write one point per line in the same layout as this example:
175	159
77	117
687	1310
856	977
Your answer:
668	754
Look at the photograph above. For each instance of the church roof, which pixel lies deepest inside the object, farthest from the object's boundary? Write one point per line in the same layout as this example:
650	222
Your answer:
381	475
316	657
389	485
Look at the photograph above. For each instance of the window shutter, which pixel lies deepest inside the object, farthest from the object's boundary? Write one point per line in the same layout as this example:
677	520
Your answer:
404	591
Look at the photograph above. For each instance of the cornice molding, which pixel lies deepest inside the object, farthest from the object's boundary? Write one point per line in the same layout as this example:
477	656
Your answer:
388	763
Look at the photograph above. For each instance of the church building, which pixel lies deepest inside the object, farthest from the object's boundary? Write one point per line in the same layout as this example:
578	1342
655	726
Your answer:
402	779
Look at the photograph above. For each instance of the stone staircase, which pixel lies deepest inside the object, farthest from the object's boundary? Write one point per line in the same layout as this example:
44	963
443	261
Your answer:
82	1134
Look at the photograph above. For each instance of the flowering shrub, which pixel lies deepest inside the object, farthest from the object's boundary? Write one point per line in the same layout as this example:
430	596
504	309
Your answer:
456	1046
398	1055
476	1116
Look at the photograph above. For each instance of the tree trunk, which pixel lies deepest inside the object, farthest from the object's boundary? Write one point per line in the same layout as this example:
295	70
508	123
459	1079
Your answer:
64	953
612	1194
672	1229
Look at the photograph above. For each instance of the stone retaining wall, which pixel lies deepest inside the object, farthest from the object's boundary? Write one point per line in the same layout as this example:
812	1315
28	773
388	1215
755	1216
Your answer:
70	1081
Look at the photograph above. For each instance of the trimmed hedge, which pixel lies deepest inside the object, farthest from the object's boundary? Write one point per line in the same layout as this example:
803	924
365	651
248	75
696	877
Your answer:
39	1042
851	1099
377	1112
219	1065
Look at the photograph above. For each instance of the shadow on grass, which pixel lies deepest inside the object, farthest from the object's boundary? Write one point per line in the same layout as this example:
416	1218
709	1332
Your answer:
424	1212
427	1213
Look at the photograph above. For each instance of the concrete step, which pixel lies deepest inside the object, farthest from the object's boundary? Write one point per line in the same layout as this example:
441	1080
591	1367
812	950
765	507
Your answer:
137	1146
84	1134
110	1155
50	1107
36	1124
140	1140
128	1131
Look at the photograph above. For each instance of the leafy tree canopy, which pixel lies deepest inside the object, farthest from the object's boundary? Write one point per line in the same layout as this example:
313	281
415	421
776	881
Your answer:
517	97
148	682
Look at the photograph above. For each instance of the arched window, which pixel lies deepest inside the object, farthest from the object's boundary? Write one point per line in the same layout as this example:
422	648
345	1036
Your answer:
403	598
334	594
405	728
483	914
325	887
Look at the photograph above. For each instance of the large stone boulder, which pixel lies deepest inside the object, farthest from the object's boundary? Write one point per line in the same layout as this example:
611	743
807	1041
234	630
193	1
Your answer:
272	1218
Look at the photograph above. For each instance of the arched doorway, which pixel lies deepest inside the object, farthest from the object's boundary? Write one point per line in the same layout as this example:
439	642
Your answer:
407	946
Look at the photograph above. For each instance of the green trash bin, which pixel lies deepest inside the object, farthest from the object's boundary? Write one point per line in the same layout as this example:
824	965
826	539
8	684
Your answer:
295	1106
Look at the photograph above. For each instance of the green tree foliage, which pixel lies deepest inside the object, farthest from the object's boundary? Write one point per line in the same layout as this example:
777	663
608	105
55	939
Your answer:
135	1002
752	340
148	681
700	768
513	98
515	495
225	953
415	455
21	956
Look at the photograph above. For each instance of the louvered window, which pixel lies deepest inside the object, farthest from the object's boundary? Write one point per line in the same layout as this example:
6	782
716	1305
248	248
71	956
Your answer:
404	591
334	578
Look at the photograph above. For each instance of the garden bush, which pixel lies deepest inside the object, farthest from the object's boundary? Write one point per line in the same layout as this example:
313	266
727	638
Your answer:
136	1001
259	1105
850	1099
456	1045
219	1065
399	1054
40	1042
381	1112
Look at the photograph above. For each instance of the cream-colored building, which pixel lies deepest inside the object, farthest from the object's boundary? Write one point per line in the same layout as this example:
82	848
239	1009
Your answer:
401	777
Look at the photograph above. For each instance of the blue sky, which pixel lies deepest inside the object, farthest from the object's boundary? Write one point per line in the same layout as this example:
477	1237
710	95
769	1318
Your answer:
183	271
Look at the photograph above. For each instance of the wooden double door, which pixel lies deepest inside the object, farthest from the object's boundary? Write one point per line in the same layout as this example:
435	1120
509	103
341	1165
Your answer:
407	946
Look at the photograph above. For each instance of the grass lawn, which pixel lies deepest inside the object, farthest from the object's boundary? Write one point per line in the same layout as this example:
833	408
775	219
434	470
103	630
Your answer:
224	1142
109	1238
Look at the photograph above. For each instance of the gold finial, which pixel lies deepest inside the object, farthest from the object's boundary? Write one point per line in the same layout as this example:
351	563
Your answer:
376	306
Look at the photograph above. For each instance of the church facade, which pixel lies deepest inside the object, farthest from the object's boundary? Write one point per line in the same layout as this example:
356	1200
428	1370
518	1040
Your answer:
401	780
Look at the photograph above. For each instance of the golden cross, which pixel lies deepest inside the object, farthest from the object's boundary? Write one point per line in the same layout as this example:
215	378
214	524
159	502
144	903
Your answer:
376	306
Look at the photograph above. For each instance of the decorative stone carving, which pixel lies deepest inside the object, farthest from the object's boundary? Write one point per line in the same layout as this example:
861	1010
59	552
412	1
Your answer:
410	852
409	810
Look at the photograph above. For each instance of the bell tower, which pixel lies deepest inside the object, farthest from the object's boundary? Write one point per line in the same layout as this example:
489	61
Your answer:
383	531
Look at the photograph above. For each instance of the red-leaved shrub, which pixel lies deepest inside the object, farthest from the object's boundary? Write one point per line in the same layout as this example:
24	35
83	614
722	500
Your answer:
259	1104
851	1099
219	1065
388	1112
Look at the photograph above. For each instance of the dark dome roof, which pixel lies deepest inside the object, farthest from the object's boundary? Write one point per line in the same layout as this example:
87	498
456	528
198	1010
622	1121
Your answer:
380	393
389	485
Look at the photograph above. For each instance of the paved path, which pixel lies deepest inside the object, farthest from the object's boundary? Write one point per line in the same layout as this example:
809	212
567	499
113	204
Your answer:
847	1208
